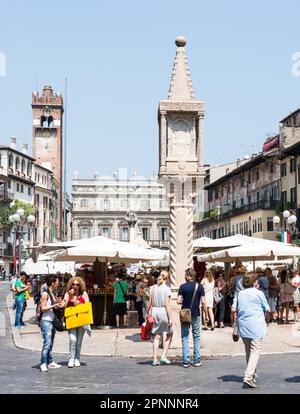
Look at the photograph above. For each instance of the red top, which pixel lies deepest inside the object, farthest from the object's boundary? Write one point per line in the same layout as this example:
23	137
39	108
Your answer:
80	299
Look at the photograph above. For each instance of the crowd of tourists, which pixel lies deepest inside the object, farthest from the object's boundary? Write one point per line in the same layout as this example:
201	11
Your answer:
254	300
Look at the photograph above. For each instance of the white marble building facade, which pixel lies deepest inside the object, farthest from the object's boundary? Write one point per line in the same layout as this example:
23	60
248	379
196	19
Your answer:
100	206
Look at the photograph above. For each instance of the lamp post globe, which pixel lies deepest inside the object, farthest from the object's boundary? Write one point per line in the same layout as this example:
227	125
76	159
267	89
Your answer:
16	217
292	219
286	214
276	220
11	219
21	212
31	219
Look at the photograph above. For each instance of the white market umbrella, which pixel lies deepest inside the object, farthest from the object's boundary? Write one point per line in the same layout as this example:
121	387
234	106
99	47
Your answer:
265	250
44	267
111	250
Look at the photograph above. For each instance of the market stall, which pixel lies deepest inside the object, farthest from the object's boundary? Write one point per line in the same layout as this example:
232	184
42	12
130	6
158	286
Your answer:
102	252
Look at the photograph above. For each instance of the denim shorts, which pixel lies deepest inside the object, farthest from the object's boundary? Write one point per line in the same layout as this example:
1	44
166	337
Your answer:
272	304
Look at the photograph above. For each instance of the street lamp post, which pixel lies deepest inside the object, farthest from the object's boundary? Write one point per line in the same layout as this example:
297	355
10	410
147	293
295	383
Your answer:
285	226
18	223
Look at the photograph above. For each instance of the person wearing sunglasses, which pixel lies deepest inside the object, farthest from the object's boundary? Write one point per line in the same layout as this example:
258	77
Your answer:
75	295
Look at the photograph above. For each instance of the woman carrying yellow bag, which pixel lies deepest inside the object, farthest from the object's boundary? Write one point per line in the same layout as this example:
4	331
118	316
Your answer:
75	295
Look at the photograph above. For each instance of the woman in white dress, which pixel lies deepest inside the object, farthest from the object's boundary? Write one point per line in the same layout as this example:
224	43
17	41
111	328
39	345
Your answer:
159	307
209	285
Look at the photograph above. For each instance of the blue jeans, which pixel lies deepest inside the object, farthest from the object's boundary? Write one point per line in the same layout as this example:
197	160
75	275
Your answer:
20	307
185	333
75	342
48	333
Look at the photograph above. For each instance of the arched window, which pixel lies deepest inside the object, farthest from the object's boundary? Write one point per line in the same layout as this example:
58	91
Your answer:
50	122
23	165
17	163
44	122
29	168
10	160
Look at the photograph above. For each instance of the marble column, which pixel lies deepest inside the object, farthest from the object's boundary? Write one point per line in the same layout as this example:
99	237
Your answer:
200	139
163	138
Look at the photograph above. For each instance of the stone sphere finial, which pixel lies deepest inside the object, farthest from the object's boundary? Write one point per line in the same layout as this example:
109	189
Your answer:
180	41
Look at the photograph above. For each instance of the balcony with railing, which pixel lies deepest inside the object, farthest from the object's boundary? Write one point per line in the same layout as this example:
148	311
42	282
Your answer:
6	195
159	244
228	211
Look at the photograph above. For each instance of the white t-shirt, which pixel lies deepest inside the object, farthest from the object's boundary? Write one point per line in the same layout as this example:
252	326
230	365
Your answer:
49	314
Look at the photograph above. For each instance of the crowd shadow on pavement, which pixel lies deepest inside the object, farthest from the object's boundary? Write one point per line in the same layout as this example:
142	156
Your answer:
134	338
293	379
231	378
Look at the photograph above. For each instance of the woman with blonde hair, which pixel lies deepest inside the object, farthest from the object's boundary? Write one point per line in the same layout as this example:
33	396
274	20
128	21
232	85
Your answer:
159	308
208	283
75	295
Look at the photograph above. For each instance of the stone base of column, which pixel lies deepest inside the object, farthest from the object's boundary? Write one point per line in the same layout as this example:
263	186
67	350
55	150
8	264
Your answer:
176	341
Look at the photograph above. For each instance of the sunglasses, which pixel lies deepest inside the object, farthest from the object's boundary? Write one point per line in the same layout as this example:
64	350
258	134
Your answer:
75	284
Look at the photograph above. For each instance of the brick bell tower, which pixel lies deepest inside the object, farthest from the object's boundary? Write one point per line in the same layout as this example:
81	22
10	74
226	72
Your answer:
47	136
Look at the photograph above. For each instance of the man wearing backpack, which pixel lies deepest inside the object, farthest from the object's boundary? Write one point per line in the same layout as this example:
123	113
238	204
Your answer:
190	295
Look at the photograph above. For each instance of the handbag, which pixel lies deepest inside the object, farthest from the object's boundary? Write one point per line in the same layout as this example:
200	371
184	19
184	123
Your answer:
79	315
217	296
288	289
235	332
185	315
27	295
126	297
145	333
57	322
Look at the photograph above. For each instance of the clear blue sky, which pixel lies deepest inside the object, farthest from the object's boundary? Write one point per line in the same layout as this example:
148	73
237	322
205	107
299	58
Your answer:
118	58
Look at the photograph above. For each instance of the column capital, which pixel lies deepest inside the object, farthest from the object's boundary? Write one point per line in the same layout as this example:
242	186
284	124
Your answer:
200	115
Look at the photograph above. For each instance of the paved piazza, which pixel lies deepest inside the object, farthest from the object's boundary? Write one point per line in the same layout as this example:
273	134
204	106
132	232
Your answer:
103	375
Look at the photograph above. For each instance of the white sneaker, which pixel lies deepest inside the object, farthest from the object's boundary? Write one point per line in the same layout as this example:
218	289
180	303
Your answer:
43	368
54	365
71	363
76	363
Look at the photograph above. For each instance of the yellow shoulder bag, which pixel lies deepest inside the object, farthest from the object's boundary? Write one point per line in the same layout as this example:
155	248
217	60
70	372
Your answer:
79	315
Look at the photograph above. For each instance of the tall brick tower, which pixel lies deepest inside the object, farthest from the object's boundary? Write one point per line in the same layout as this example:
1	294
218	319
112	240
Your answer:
47	139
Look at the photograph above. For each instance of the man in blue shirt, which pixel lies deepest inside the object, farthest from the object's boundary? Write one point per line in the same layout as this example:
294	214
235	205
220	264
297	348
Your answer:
251	305
185	298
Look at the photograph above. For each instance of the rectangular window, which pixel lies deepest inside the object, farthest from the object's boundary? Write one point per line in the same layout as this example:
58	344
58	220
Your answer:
292	165
272	168
242	202
257	175
22	188
249	199
105	232
145	232
233	229
293	195
283	200
29	191
164	233
283	169
270	226
85	233
209	196
249	178
234	204
257	197
260	225
8	184
124	234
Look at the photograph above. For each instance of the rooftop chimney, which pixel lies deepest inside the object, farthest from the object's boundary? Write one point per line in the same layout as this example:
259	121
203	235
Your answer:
13	142
25	149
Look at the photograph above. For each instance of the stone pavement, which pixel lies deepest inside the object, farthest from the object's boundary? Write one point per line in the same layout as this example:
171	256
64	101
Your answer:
281	339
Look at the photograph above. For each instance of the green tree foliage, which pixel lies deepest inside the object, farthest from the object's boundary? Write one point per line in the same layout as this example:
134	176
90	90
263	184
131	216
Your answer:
6	212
